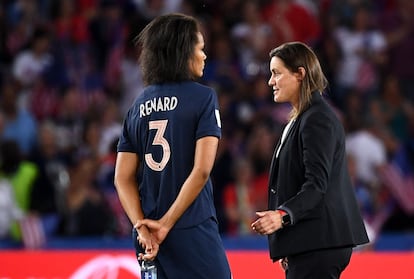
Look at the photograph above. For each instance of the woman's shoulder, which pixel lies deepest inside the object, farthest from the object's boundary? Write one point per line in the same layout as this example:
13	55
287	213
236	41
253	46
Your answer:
200	92
201	87
320	109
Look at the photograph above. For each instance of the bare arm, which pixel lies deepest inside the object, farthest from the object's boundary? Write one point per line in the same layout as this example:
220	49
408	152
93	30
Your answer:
126	186
205	155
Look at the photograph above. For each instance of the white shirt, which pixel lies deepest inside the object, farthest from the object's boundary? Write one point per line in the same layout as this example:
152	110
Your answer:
369	153
284	134
27	67
351	43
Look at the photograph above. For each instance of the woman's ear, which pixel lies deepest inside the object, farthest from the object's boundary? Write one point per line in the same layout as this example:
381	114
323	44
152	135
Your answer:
301	73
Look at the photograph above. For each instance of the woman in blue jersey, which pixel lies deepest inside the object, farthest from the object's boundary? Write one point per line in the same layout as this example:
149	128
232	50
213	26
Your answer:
166	152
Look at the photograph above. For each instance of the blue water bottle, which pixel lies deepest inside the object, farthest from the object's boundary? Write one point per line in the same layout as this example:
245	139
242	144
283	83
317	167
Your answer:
148	270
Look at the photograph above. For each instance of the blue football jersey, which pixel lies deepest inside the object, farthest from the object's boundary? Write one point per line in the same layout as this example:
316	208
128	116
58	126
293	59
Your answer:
162	128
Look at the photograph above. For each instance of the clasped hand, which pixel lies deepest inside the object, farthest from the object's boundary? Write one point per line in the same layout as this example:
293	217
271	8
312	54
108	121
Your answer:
151	234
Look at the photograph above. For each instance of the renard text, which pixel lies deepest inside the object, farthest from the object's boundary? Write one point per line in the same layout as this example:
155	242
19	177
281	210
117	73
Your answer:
157	104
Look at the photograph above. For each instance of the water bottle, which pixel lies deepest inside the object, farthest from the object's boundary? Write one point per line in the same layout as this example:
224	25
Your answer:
148	270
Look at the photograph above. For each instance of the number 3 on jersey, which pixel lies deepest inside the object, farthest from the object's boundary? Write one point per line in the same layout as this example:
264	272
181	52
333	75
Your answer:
159	139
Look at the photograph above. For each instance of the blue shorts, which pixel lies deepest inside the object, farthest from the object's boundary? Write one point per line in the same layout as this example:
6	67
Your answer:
195	252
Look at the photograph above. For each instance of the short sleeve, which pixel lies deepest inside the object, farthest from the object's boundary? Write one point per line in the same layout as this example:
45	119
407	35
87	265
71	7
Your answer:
209	121
124	143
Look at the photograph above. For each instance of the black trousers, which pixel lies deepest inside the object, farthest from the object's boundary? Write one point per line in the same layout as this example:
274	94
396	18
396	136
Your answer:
320	264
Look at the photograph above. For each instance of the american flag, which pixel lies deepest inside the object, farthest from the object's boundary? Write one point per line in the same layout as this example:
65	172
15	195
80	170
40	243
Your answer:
33	234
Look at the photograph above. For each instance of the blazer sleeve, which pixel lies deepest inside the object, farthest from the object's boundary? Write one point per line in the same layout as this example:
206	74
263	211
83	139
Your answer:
318	141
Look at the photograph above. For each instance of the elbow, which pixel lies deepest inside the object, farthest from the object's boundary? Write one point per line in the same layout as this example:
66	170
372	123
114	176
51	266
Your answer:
202	174
205	175
123	180
116	184
117	181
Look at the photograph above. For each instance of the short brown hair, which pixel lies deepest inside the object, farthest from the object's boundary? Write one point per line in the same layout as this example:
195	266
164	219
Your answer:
295	55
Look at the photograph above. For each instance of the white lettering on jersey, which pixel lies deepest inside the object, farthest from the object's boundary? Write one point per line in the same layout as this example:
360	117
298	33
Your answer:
158	104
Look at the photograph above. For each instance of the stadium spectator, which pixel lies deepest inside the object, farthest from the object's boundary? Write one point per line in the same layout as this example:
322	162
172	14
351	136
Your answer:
47	194
123	76
252	39
31	63
19	124
397	24
368	150
21	174
362	48
291	21
242	198
9	211
85	212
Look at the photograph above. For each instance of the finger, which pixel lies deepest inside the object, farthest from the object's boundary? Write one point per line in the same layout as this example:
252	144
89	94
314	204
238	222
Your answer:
149	257
255	223
140	242
148	249
261	213
140	239
256	229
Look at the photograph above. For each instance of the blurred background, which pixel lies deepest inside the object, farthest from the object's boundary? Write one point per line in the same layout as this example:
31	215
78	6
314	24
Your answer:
69	72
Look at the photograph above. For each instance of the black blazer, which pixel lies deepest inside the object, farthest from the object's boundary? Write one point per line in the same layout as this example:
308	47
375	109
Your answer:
309	180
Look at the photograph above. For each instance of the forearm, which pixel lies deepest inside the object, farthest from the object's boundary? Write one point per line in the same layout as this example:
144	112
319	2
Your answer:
126	185
188	193
130	201
205	153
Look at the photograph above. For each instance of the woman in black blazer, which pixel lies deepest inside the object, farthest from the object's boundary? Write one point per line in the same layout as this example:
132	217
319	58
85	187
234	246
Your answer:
313	220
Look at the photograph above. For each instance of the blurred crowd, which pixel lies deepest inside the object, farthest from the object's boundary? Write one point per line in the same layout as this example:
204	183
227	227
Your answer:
69	72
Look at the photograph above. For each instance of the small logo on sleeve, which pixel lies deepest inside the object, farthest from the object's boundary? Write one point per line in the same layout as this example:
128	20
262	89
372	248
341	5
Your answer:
218	118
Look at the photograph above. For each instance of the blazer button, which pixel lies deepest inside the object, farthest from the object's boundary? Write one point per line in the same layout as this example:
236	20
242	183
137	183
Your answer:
273	191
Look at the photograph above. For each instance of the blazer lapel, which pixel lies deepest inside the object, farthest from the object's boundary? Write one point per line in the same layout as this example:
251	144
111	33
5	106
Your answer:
274	166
